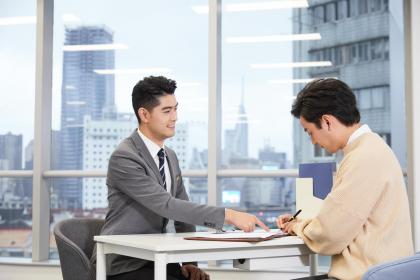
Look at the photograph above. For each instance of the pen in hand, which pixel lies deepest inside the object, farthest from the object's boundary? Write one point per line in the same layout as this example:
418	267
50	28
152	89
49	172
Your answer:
295	215
283	221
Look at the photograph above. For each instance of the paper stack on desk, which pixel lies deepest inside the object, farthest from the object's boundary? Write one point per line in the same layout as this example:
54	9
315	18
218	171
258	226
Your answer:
240	236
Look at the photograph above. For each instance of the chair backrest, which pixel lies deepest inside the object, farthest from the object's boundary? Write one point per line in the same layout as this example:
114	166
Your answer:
74	238
404	269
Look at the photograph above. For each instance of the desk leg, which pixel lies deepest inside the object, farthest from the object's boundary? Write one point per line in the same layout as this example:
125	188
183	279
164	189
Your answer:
100	262
313	264
160	266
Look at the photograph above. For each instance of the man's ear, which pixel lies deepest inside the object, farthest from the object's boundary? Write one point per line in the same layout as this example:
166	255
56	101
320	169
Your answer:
144	115
327	120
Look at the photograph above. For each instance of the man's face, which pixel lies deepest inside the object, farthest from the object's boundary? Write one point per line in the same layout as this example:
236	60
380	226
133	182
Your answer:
160	121
323	136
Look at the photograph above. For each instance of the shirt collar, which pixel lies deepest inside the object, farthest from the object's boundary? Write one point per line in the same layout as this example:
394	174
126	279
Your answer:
151	146
358	132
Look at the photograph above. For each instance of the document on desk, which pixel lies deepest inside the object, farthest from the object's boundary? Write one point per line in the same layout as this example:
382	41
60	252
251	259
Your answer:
240	236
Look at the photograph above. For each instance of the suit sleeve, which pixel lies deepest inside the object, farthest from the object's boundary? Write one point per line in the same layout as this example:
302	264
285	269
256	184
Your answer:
128	174
182	194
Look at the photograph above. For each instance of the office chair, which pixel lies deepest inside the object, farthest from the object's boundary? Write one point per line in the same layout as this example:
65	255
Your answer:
405	269
75	245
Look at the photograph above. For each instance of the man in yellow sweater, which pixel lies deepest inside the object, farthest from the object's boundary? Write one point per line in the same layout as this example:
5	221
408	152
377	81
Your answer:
365	220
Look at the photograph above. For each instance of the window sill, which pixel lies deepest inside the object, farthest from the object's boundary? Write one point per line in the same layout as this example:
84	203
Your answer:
27	262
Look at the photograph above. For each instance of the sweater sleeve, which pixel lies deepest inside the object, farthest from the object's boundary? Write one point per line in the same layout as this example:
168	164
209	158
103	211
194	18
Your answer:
345	210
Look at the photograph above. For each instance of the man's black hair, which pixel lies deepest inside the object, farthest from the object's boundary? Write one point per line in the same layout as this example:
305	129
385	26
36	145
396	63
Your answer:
146	92
326	97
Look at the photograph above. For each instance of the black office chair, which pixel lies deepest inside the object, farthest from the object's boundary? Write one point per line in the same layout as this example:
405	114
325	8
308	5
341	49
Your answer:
74	238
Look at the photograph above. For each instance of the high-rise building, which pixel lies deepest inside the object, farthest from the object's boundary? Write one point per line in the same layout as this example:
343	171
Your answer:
236	139
187	133
180	143
29	160
29	155
28	165
355	38
187	156
282	192
192	157
11	151
11	191
84	93
10	159
100	138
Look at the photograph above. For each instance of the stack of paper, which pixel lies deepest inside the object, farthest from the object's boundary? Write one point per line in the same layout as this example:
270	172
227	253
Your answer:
240	236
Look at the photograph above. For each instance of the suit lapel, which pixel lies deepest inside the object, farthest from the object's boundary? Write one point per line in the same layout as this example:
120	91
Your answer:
145	154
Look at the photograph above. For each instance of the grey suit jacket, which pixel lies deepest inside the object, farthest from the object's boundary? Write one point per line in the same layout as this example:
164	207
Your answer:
138	203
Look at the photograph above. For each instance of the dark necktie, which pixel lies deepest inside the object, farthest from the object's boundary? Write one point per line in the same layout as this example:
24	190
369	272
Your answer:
161	156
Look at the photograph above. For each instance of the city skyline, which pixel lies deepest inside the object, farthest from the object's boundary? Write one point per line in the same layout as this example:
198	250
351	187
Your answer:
188	67
232	90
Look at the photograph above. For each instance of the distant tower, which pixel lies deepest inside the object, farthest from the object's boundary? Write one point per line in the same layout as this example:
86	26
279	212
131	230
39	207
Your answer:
236	140
84	93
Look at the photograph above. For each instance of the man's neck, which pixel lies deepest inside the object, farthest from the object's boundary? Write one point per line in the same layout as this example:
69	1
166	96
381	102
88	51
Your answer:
150	135
349	131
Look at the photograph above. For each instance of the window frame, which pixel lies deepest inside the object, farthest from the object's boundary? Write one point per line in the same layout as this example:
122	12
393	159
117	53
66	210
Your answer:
42	172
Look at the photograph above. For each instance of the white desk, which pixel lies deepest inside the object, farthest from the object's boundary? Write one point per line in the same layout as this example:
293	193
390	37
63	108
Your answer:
172	248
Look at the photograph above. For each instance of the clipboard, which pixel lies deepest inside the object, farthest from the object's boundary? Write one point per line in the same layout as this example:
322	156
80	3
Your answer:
226	238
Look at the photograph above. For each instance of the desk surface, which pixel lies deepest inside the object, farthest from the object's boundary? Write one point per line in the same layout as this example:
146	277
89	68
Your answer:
176	242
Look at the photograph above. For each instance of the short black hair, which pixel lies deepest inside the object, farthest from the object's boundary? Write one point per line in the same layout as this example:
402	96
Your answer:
326	96
146	92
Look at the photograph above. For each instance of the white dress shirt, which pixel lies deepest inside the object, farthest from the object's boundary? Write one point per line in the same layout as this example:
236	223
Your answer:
358	132
153	150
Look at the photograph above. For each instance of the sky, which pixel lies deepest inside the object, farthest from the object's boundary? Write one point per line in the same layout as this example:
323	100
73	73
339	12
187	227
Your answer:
165	34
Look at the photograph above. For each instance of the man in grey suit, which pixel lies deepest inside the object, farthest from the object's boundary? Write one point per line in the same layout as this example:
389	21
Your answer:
145	186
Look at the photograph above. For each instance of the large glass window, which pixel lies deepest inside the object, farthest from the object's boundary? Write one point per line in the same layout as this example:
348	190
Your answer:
342	9
17	92
354	8
371	98
363	7
318	14
15	217
330	11
99	55
17	67
256	87
267	198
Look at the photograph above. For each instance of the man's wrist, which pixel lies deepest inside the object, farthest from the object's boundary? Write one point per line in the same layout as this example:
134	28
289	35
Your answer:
295	226
228	215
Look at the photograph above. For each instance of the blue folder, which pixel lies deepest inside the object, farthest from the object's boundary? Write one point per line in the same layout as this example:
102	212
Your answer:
322	175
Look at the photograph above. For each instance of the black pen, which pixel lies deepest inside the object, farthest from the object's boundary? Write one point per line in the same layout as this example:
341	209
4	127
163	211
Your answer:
295	215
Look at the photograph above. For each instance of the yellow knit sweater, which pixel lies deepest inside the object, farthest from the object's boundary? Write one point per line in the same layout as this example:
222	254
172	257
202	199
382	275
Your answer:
365	220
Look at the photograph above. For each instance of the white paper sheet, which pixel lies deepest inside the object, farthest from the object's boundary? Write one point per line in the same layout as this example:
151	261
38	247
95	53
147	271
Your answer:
241	234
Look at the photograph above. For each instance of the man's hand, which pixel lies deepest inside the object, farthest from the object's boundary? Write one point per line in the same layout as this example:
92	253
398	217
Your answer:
284	224
194	273
243	221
